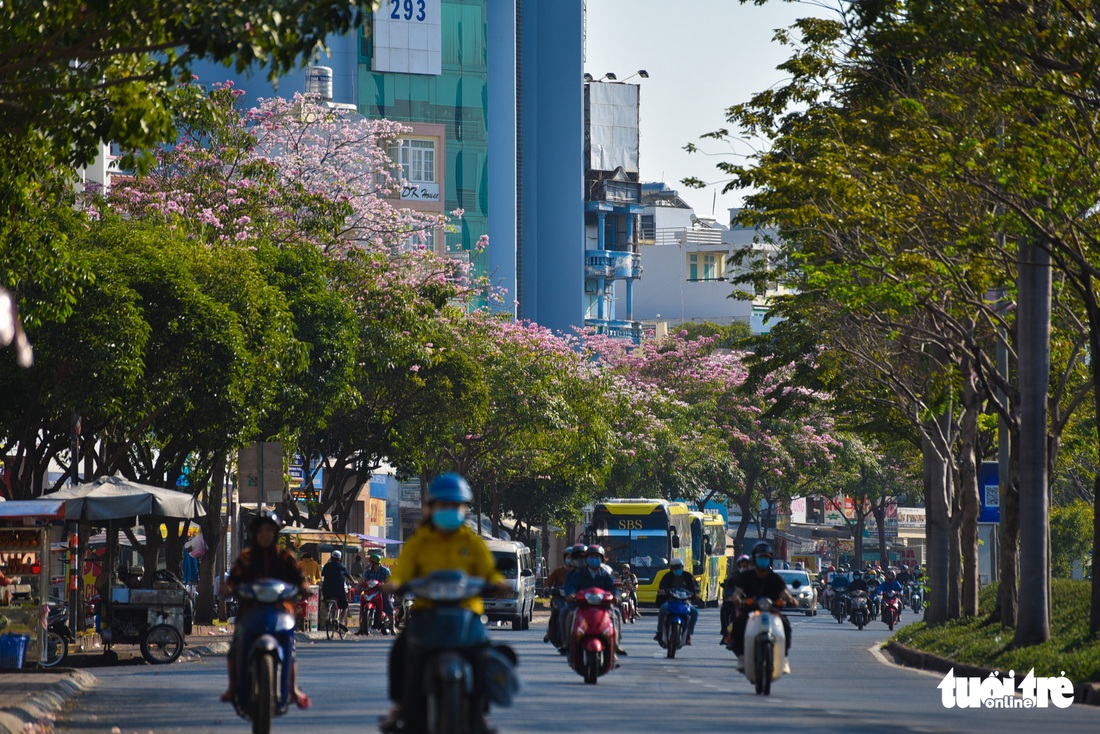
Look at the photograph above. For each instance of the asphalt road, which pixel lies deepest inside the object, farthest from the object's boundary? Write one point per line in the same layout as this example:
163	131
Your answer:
839	684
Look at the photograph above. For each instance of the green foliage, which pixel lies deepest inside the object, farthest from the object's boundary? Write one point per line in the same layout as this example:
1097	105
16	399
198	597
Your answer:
1070	537
981	641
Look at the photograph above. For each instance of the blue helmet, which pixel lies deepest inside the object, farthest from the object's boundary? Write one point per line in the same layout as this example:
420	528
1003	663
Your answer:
450	487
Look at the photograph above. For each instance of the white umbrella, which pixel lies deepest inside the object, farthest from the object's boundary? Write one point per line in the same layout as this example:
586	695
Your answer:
118	498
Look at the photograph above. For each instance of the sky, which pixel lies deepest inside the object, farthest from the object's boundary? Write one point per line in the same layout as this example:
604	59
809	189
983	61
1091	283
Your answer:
702	57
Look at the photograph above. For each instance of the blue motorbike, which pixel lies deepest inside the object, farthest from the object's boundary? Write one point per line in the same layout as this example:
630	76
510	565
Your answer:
677	621
457	670
265	653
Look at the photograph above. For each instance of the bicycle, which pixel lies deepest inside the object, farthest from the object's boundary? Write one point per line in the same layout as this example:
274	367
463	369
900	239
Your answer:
332	620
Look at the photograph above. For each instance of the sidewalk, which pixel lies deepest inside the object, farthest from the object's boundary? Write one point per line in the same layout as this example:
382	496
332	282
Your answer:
30	699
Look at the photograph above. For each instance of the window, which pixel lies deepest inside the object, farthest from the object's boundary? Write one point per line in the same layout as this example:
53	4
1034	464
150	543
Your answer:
417	159
693	267
710	267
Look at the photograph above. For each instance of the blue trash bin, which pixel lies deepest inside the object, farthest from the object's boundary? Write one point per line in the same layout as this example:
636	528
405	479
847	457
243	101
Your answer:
13	648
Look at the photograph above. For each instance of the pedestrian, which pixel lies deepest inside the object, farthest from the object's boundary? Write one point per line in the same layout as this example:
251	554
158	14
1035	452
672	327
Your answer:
357	567
310	568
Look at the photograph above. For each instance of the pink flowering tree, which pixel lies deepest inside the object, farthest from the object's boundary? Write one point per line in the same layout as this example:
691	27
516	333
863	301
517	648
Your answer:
286	170
538	446
752	442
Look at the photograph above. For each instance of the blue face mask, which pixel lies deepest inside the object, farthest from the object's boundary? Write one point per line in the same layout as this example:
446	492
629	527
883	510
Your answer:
763	562
593	561
448	519
677	572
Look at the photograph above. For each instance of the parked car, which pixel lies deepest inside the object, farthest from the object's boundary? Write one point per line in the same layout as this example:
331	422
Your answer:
801	588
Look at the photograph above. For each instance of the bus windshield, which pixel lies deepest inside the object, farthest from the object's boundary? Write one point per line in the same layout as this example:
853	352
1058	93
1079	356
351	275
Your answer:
644	549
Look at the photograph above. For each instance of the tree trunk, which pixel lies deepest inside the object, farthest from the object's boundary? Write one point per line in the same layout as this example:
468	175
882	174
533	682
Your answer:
1093	311
213	532
1008	593
879	511
1033	322
954	568
936	478
744	501
967	491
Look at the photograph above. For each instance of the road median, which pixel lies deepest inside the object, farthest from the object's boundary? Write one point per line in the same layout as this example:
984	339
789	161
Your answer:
36	697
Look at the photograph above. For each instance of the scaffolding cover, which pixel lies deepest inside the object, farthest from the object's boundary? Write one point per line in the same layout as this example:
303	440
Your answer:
612	127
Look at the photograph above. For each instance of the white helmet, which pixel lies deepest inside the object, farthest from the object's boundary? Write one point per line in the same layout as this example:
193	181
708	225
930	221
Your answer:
337	555
676	563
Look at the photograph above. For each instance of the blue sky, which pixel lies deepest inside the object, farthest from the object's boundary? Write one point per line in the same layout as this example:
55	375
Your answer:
702	57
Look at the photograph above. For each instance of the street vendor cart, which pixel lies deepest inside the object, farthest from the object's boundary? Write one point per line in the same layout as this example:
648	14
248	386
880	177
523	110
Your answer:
153	611
24	561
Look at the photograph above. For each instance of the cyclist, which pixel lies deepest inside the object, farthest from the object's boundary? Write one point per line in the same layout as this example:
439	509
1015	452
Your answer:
333	576
264	560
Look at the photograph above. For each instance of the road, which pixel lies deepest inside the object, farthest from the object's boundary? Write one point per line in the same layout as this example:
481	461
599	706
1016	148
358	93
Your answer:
838	685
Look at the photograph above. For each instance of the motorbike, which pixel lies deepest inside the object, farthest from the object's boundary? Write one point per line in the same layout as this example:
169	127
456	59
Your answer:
626	603
592	637
677	620
372	611
891	608
58	635
840	606
265	653
557	604
916	598
874	607
458	670
765	644
859	612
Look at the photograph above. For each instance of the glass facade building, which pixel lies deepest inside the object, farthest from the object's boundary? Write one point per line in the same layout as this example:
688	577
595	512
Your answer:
457	98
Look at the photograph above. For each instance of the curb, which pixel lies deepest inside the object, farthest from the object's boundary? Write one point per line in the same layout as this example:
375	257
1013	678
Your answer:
37	711
190	654
1086	693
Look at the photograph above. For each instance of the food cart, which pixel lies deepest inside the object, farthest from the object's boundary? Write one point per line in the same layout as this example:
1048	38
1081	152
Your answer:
24	558
155	611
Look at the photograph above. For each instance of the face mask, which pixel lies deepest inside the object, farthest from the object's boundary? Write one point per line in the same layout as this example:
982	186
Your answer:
763	562
677	572
593	562
448	518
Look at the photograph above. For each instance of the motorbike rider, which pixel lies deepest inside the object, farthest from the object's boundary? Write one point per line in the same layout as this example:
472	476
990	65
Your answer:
333	575
761	581
676	579
594	574
442	542
555	581
263	559
629	582
903	576
743	563
310	568
576	563
838	587
858	584
375	571
890	584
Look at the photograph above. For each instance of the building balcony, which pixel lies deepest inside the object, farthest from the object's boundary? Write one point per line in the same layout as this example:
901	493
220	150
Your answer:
614	264
616	329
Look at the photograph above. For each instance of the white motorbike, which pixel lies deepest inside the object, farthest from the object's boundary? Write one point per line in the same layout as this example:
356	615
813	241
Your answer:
765	645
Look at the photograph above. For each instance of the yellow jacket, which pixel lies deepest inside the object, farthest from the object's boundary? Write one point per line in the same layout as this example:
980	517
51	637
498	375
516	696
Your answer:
429	550
310	569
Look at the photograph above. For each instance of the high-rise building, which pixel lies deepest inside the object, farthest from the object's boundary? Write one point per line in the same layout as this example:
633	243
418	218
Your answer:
492	90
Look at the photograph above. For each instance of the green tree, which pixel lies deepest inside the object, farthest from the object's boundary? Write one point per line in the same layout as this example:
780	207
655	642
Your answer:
1071	538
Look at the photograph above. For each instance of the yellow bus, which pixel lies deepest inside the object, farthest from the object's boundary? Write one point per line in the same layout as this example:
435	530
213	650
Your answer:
645	533
710	554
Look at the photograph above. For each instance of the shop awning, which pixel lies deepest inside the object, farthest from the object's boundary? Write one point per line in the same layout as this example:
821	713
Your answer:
34	509
311	535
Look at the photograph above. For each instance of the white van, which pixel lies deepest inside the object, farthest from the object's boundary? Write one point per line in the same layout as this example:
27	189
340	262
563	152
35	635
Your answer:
516	562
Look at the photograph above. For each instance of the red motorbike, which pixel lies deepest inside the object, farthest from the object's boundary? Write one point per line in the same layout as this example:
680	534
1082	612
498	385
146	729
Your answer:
891	608
626	602
372	613
592	639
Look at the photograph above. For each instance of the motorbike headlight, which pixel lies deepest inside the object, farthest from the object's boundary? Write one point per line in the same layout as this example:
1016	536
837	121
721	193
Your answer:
594	599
